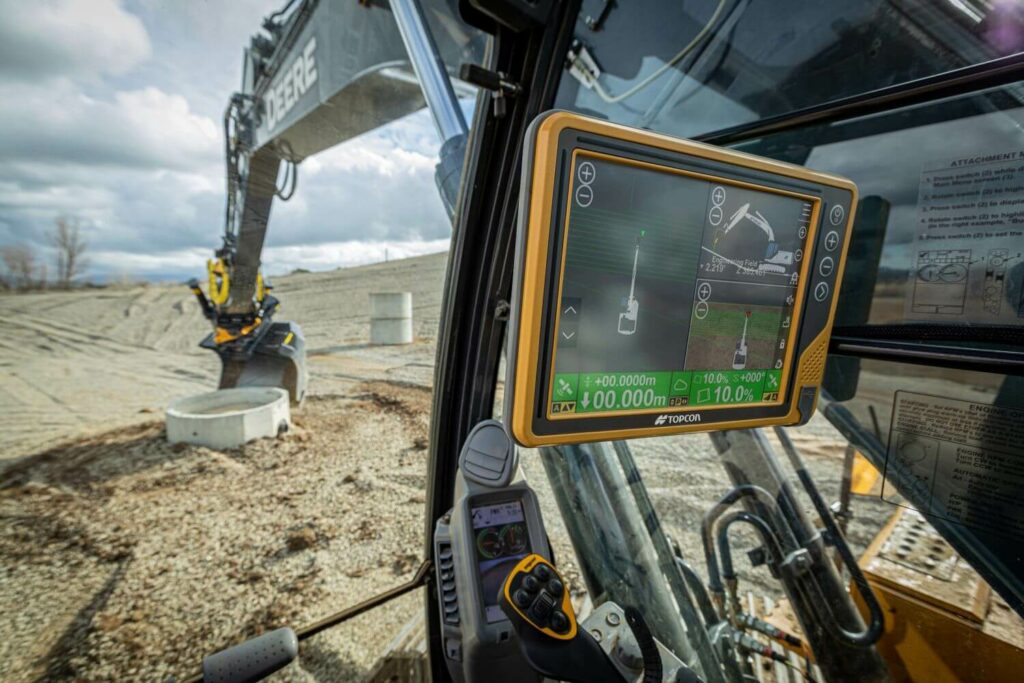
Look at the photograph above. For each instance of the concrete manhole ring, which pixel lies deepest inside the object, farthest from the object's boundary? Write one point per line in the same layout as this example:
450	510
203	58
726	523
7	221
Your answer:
228	417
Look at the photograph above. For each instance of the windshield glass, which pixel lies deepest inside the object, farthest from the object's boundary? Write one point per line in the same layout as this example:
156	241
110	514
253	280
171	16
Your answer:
694	67
913	464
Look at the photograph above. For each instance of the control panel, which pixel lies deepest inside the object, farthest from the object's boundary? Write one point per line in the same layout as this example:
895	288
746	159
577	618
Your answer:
534	592
495	523
666	286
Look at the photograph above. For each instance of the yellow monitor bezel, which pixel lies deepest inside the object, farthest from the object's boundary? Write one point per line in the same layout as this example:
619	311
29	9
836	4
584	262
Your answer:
540	177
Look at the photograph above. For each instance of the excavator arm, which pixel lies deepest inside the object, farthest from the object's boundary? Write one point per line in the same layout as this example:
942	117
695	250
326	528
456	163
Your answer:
318	74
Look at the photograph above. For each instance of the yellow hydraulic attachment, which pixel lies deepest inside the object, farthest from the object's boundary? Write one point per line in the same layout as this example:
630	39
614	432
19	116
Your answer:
222	336
220	292
220	283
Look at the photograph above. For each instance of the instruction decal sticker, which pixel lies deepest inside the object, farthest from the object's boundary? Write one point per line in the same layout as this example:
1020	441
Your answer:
959	460
966	263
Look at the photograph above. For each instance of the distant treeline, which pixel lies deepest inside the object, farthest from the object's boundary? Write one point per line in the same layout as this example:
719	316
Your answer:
25	270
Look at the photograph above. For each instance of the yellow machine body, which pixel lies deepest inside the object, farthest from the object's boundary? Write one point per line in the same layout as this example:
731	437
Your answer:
943	623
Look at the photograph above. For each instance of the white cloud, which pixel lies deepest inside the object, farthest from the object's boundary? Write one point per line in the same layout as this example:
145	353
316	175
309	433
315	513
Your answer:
329	255
180	264
120	209
45	38
146	127
377	155
135	150
376	187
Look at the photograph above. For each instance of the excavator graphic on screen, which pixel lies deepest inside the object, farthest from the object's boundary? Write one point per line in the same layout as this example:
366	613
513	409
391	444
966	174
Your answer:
773	260
739	359
627	319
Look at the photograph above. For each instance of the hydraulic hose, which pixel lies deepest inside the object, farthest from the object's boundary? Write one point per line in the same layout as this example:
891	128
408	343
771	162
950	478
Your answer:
728	571
770	630
763	530
230	160
876	625
717	510
290	182
645	641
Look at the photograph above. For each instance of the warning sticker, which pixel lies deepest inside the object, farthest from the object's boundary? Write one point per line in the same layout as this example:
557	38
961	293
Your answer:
966	264
959	460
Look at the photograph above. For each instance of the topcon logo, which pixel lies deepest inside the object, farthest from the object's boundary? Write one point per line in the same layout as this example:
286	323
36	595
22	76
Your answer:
676	419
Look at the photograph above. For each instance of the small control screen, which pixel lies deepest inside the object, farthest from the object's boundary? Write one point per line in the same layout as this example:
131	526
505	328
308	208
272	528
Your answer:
677	290
665	286
501	539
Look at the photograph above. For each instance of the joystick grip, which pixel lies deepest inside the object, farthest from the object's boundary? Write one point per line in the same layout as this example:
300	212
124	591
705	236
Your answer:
536	600
537	595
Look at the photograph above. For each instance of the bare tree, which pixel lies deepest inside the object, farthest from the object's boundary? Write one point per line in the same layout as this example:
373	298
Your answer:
20	263
67	239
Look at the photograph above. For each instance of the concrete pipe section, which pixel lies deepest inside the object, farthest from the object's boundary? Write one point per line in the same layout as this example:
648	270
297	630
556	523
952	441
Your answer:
391	318
229	417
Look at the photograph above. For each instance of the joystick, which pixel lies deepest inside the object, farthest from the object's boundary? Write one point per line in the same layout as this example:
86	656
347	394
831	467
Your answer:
535	599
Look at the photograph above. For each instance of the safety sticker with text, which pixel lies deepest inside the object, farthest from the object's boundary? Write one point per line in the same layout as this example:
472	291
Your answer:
959	460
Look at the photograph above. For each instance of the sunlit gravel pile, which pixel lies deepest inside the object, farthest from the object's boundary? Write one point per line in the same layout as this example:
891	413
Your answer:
123	558
127	558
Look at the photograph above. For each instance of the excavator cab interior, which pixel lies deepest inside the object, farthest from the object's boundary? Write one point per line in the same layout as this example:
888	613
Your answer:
728	379
744	222
730	220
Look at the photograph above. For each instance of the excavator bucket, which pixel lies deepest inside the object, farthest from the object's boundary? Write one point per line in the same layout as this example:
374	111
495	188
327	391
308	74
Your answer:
276	359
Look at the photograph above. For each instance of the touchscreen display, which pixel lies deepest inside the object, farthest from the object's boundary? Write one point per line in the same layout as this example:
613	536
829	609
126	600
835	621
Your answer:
501	540
677	290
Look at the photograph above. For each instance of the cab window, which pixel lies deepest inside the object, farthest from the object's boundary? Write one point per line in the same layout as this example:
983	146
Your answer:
913	446
696	67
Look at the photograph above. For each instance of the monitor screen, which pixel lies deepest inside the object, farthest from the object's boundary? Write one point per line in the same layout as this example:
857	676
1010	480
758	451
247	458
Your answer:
665	286
678	290
501	540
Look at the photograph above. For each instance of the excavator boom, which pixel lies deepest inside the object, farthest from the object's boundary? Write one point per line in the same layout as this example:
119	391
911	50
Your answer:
319	73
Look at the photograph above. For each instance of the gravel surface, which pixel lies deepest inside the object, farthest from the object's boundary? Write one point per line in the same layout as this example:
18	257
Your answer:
127	558
80	362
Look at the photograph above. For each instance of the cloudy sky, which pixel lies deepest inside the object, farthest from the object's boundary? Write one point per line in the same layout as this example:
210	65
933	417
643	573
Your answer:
110	111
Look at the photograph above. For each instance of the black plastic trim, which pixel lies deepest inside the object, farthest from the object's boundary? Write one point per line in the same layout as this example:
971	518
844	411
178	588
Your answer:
957	82
936	355
479	272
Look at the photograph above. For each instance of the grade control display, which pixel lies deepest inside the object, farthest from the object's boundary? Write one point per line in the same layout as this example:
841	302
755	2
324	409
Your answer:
501	540
665	286
676	290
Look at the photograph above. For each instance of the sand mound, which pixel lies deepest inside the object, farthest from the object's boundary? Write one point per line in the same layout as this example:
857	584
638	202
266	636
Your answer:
130	558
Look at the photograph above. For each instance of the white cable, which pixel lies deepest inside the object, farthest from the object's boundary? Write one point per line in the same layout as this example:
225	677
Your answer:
613	99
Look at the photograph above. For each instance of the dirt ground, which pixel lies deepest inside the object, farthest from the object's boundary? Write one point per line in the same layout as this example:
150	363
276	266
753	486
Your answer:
128	558
125	558
83	361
